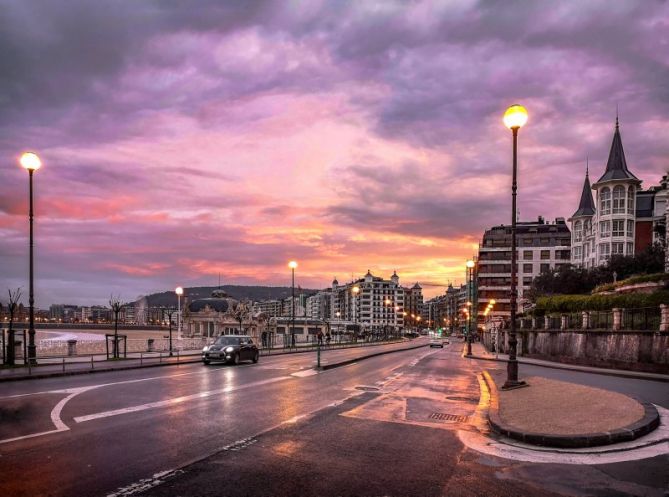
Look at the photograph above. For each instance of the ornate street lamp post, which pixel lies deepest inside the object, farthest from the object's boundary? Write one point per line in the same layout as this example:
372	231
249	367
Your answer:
31	162
292	265
179	291
355	290
514	118
470	300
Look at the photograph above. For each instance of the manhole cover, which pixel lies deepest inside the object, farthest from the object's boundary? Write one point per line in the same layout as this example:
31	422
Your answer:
465	399
441	416
367	389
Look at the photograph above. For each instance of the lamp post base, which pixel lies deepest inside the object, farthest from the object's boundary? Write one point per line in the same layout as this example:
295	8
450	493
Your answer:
32	354
510	385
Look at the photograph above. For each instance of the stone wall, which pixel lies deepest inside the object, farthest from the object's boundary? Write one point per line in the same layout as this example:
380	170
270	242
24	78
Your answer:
631	350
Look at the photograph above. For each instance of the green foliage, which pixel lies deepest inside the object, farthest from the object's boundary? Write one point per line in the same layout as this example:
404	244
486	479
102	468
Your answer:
571	280
599	302
633	280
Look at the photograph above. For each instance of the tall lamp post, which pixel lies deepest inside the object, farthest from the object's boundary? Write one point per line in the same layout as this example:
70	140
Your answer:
179	291
514	118
31	162
355	290
470	300
292	265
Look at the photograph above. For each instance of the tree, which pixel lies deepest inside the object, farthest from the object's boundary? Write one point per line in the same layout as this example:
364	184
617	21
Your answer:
12	307
116	306
240	313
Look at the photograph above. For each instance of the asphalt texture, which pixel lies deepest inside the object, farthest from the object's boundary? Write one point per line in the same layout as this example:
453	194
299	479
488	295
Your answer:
375	427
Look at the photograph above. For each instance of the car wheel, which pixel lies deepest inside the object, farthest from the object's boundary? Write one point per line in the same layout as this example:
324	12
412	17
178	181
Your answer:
235	359
256	357
206	362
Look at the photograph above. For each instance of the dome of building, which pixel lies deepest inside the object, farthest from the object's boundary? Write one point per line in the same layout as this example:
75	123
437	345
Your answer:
216	304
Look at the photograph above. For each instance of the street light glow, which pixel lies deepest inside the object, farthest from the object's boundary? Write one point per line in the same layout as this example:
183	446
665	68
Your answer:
179	290
30	161
515	116
292	264
470	264
355	289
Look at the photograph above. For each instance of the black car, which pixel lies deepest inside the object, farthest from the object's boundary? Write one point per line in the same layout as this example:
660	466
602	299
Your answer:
231	348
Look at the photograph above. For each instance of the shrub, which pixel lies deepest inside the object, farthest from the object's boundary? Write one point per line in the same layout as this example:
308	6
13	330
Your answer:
633	280
599	302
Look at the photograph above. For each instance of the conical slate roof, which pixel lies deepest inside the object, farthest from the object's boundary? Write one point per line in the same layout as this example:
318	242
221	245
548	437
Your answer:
616	167
587	206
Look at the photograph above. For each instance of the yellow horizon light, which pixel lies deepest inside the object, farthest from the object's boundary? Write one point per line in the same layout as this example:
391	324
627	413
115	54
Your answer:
515	116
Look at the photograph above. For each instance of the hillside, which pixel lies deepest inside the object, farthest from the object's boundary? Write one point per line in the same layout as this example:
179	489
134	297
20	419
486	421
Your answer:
238	292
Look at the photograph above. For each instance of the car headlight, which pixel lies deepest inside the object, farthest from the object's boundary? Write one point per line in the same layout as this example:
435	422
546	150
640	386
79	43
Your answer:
229	349
205	348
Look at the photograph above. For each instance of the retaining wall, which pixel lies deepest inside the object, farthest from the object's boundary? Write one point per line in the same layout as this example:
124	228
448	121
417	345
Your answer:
631	350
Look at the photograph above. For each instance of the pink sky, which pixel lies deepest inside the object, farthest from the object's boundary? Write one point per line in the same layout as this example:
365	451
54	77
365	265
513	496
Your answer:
179	144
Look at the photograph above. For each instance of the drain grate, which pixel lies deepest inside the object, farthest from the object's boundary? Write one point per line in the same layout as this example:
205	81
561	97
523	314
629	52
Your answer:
441	416
365	388
465	399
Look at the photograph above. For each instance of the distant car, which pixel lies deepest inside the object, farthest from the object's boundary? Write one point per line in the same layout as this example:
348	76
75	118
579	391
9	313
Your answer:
231	348
437	342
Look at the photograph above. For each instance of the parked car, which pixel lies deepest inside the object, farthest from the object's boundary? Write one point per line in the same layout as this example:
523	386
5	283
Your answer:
231	348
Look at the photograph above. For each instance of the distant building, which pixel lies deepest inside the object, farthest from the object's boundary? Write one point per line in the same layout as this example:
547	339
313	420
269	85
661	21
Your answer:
541	247
271	308
378	307
319	305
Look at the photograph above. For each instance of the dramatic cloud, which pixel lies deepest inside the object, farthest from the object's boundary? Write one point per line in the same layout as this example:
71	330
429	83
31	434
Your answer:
182	140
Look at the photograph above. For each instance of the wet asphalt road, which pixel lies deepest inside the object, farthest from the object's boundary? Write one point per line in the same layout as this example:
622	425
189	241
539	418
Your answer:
277	429
124	426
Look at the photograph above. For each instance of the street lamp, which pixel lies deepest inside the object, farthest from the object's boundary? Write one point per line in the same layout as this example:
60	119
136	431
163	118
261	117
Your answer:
179	291
514	118
292	265
355	290
338	314
31	162
470	293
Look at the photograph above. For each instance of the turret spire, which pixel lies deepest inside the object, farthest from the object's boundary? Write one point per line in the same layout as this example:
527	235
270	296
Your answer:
616	166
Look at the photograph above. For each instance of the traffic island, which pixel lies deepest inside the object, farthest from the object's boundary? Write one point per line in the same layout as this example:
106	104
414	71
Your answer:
554	413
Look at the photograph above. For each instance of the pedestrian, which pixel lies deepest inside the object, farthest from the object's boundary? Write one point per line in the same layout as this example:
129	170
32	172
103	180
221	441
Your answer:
320	338
327	339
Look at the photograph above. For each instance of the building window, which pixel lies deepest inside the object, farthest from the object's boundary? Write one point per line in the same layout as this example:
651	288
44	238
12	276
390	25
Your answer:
527	280
545	268
619	200
618	227
605	201
630	248
545	241
630	228
527	242
630	200
545	254
527	255
577	253
578	234
617	248
527	268
604	251
586	250
605	229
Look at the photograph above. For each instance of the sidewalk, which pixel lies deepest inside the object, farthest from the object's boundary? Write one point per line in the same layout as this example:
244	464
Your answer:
65	366
566	415
479	352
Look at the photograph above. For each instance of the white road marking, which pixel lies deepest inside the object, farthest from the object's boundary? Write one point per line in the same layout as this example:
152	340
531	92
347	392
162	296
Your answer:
145	484
176	400
305	372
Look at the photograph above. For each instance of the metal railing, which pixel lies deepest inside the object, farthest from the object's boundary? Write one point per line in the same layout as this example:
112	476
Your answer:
644	318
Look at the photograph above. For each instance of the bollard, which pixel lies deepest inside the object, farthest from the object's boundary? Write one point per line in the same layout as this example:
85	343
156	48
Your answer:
63	364
318	356
149	345
71	348
92	366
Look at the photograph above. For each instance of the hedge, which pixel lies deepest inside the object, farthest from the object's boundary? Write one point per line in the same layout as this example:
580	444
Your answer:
576	303
632	280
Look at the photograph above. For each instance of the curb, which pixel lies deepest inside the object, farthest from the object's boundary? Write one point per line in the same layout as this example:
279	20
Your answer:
351	361
56	374
635	375
649	421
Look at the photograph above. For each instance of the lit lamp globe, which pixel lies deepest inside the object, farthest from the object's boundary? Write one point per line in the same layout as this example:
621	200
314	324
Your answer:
179	291
292	264
515	116
30	161
470	264
355	289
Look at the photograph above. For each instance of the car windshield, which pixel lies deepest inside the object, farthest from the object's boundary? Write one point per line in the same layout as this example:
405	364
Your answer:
227	341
